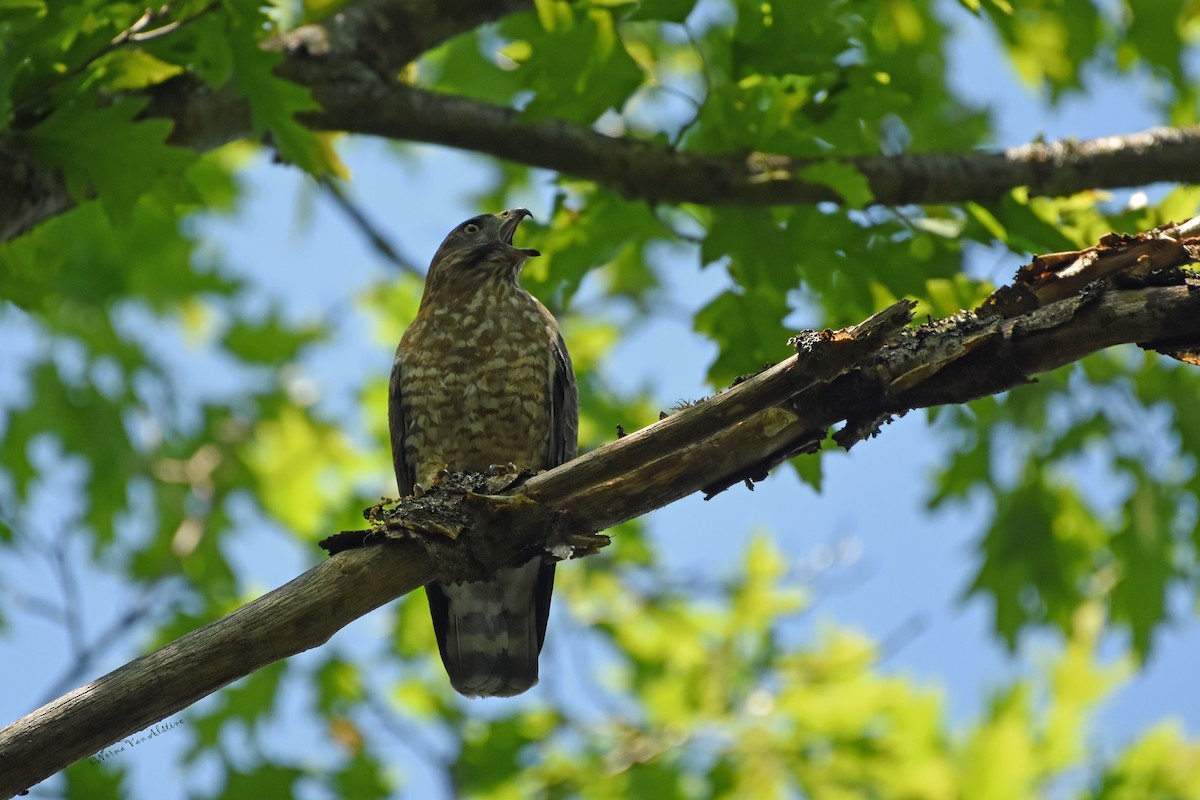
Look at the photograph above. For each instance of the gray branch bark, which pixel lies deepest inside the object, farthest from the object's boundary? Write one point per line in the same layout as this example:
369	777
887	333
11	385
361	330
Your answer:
350	63
659	174
1063	307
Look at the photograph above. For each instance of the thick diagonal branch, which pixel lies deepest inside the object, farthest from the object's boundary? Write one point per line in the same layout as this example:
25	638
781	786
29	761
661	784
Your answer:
1137	293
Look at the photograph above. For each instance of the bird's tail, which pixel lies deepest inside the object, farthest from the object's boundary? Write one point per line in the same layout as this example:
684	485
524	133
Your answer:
491	632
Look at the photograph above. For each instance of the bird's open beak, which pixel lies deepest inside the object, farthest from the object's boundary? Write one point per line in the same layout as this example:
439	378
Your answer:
512	218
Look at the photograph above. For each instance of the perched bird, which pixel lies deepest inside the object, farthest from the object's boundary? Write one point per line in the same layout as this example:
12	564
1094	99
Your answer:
482	377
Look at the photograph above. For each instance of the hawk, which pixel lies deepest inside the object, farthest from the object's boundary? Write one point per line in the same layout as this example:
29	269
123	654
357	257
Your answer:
482	377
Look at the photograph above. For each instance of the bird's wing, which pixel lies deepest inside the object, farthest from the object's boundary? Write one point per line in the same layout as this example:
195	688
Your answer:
564	442
397	428
564	406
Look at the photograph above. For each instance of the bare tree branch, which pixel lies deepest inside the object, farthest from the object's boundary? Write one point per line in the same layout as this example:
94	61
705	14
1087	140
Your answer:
362	222
385	35
1130	289
656	173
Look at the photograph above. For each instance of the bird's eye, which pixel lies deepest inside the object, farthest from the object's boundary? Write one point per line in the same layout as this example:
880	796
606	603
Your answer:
472	228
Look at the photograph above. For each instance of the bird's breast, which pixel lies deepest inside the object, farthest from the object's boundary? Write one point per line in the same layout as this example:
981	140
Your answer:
475	385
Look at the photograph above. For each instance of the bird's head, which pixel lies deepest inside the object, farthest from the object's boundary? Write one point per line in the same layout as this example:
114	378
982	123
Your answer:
482	247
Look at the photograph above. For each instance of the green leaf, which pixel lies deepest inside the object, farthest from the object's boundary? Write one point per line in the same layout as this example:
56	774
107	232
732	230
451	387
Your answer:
204	47
789	39
1026	230
484	765
1155	34
275	102
1163	763
665	10
1001	758
761	596
1049	41
362	777
577	66
843	178
302	466
747	326
86	424
108	151
969	467
759	112
1042	548
98	778
413	637
270	341
253	697
461	67
338	685
1146	556
760	246
988	220
136	69
610	236
661	779
808	469
265	780
74	267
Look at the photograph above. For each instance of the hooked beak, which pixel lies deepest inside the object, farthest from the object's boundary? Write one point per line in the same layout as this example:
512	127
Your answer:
512	218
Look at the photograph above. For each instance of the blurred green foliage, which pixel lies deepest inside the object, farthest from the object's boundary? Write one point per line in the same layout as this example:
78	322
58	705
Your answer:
701	693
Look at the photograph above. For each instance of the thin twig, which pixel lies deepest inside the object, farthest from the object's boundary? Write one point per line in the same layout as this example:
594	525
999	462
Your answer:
72	606
135	33
35	605
414	741
900	637
360	220
86	654
683	129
